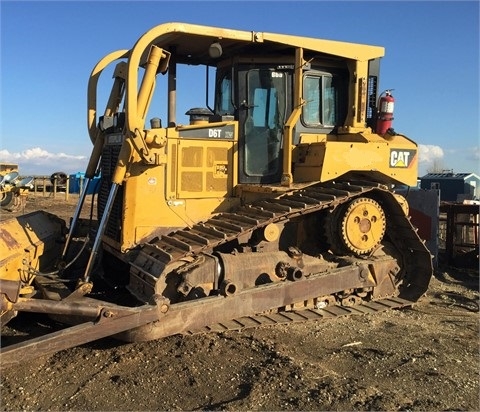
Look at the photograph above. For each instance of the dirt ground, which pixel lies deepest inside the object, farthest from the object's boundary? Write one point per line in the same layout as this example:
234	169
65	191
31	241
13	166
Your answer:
423	358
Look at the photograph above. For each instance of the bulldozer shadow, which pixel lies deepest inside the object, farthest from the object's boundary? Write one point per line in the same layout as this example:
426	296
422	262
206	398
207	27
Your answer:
466	277
456	300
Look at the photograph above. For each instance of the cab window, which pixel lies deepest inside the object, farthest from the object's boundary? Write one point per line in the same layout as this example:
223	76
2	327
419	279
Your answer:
224	99
320	97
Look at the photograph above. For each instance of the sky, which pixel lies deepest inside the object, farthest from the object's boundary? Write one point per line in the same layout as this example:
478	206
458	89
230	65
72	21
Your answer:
48	49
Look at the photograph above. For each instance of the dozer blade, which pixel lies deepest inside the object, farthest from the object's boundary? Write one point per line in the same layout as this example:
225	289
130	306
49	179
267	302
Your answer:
29	244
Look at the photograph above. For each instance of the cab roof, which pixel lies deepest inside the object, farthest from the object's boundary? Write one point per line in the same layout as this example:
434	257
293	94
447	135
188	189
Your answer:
191	42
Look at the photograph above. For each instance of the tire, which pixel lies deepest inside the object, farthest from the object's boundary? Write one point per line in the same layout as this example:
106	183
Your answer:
6	199
60	177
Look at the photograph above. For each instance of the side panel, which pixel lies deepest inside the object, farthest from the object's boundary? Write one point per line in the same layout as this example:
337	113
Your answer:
196	181
203	161
204	168
395	160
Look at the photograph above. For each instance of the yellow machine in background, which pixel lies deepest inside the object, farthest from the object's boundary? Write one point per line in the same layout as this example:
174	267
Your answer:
13	188
276	196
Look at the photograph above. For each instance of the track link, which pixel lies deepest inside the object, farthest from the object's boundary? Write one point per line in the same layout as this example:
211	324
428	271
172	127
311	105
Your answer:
305	315
225	227
173	250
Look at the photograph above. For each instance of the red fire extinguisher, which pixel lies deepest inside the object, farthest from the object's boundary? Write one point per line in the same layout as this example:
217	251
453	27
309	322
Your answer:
385	112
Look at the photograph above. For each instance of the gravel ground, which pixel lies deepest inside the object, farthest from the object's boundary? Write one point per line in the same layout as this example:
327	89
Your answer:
423	358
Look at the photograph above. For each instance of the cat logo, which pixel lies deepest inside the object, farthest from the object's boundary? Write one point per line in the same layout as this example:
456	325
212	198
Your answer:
401	158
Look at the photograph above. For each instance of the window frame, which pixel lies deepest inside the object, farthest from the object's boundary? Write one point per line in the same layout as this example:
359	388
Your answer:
320	77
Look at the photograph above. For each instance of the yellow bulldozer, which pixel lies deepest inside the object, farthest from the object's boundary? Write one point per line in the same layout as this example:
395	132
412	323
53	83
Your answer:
274	202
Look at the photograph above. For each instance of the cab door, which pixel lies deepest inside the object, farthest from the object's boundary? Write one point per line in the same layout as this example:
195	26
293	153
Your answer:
262	111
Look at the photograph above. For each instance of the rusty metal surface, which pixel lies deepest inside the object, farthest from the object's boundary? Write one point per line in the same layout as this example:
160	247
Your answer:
107	324
110	323
304	315
199	313
7	238
10	288
63	307
178	318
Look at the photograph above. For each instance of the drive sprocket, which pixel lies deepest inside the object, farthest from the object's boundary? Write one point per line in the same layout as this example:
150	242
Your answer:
357	227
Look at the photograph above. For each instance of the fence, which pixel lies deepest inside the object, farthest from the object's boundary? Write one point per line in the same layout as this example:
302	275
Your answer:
45	186
61	183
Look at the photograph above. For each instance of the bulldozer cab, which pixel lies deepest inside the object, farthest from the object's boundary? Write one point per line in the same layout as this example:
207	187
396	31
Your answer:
262	80
265	101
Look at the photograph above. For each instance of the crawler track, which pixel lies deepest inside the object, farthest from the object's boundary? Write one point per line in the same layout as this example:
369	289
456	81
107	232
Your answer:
305	315
183	249
225	227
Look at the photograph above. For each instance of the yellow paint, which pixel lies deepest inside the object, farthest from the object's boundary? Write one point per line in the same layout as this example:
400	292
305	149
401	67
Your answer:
29	241
335	156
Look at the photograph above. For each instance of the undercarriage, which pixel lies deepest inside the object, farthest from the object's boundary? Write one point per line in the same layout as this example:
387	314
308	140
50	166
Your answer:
273	257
